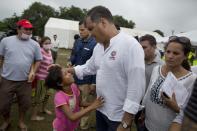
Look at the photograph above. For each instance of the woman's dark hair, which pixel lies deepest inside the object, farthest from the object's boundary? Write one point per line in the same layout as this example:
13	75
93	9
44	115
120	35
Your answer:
43	40
54	78
186	44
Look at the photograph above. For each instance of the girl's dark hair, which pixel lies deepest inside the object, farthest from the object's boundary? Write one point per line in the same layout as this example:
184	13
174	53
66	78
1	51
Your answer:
186	44
54	78
43	40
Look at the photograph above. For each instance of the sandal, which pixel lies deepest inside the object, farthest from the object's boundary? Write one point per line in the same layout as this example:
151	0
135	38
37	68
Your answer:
5	126
47	112
23	128
37	118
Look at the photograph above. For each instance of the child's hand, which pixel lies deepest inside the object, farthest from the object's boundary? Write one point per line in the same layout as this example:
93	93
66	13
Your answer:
93	89
97	103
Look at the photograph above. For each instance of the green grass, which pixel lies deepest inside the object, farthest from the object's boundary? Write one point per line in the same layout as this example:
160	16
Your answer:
45	125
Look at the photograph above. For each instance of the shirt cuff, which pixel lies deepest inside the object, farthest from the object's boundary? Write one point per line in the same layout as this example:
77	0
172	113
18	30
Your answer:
78	72
131	107
179	117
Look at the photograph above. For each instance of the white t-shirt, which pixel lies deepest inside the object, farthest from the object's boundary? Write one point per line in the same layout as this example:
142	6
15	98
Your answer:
55	44
120	71
158	116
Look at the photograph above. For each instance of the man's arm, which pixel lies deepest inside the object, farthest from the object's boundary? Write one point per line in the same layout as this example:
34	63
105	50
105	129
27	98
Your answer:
1	61
135	69
188	125
89	68
190	114
33	70
35	65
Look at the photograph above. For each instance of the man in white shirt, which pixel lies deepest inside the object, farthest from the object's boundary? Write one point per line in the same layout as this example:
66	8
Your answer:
118	62
55	45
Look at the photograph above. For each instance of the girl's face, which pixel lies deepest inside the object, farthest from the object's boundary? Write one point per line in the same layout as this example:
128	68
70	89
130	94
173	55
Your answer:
67	78
174	54
47	45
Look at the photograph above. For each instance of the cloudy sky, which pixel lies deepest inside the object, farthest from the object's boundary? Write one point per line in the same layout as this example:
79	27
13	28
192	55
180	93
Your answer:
166	15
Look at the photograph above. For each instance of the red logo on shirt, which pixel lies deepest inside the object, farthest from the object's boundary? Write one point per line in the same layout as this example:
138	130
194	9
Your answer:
113	55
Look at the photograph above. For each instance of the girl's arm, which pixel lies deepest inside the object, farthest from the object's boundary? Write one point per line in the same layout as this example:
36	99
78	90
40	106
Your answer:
83	103
75	116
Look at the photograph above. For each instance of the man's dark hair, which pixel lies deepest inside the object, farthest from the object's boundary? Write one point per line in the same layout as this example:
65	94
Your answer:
76	36
149	38
137	38
81	22
117	26
100	12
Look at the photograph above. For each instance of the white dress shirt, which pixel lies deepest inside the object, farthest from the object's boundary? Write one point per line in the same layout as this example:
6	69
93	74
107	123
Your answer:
120	71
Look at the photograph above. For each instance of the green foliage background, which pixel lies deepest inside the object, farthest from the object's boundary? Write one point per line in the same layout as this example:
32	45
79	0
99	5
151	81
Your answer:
39	14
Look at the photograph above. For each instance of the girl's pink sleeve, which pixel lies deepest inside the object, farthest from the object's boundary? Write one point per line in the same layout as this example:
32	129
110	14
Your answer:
60	99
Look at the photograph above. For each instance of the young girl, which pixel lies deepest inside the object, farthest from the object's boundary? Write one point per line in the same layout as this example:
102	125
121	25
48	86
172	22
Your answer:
41	94
67	100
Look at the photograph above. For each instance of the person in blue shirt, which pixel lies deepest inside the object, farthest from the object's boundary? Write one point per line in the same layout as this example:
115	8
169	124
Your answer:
81	52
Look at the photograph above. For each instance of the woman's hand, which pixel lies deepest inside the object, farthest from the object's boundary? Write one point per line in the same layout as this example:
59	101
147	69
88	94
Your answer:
171	102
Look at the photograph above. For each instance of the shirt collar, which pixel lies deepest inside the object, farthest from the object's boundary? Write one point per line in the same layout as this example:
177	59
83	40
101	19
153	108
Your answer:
155	60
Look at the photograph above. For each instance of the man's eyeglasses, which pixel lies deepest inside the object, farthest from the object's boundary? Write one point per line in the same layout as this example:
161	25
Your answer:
181	39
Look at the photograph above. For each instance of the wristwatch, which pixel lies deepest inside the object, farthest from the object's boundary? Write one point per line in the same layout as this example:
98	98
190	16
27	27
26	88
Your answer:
125	125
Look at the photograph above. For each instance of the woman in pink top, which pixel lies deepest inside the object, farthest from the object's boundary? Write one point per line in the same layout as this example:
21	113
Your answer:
67	100
41	93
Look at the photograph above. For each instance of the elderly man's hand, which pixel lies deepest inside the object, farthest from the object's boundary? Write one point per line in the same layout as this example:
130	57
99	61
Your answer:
70	70
120	128
31	76
69	65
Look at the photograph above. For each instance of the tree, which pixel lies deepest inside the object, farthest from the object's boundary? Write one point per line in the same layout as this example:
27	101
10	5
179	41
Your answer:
159	32
9	23
72	13
3	26
39	14
119	20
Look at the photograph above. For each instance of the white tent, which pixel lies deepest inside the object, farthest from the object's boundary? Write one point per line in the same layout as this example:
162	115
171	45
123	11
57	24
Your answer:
192	35
139	33
64	29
